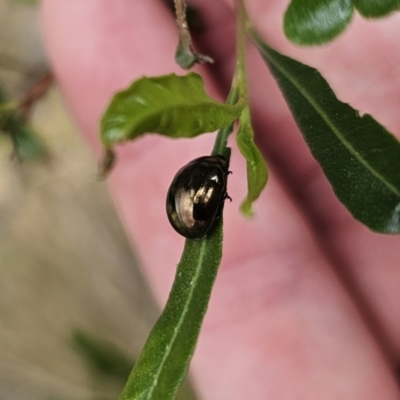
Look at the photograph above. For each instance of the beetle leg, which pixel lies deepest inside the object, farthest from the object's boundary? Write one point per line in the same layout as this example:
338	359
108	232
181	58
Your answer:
226	196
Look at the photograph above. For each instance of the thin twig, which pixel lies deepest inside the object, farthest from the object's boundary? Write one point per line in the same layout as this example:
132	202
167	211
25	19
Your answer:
35	93
185	55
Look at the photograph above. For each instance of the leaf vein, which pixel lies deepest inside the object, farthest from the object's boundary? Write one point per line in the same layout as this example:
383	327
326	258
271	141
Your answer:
333	128
183	314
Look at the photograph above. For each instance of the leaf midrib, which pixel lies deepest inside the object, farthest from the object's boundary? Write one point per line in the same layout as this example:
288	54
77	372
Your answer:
182	317
325	117
152	114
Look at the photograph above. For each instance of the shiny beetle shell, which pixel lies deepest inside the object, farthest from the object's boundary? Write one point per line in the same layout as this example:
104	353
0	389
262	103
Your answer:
196	195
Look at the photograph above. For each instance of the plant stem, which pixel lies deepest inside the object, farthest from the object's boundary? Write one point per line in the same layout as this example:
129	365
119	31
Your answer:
238	90
185	55
221	140
39	88
240	72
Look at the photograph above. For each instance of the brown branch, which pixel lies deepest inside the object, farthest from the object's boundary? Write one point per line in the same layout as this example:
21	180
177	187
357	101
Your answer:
185	55
35	93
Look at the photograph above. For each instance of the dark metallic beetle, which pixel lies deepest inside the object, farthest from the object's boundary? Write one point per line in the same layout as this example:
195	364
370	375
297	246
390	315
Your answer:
196	195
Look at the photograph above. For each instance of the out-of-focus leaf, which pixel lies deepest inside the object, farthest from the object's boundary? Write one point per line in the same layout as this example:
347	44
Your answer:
103	357
257	173
171	105
28	2
27	144
313	22
359	156
376	8
165	358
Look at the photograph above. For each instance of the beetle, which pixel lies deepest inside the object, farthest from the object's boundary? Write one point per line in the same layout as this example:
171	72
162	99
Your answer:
196	195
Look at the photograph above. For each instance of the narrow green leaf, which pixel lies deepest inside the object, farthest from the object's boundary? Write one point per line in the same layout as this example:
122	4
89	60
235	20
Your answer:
257	173
360	157
165	358
313	22
175	106
376	8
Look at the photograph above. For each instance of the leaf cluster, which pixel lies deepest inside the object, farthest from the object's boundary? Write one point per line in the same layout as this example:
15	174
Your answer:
359	157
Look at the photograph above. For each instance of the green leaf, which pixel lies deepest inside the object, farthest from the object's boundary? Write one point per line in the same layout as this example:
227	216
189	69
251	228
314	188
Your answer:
360	157
313	22
376	8
165	358
257	173
28	146
175	106
102	357
28	2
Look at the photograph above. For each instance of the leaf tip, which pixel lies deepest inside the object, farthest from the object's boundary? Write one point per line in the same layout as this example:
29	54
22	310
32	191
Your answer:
246	209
